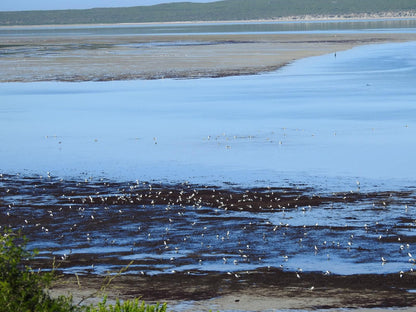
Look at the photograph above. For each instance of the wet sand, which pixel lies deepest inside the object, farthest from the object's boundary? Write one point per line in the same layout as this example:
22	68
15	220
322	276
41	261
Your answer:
103	58
260	290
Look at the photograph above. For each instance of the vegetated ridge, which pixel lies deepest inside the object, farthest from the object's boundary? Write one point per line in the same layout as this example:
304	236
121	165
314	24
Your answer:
227	10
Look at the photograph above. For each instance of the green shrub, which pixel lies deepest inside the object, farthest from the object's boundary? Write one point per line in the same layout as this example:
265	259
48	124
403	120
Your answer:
23	289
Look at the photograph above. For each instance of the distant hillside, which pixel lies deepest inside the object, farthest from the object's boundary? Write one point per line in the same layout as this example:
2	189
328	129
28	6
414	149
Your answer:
213	11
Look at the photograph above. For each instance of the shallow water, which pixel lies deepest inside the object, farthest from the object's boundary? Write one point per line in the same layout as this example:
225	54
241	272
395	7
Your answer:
329	123
351	116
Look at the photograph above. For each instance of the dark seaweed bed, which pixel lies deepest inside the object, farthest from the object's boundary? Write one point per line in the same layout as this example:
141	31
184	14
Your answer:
98	225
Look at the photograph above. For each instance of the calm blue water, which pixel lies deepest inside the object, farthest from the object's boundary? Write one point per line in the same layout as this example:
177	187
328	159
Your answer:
350	116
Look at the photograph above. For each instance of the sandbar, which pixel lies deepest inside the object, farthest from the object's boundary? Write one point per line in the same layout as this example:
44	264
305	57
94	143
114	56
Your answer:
113	57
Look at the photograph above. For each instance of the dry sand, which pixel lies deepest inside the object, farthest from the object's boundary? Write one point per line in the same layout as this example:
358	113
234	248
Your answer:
102	58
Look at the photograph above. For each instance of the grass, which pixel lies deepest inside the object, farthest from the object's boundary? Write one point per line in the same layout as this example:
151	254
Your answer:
213	11
23	289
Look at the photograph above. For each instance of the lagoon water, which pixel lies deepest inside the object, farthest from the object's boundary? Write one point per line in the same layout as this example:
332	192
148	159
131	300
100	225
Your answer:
350	116
325	122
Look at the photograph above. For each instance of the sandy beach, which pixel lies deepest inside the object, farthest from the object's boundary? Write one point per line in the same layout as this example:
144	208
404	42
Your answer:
104	58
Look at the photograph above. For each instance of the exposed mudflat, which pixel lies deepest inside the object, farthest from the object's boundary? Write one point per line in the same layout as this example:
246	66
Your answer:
297	247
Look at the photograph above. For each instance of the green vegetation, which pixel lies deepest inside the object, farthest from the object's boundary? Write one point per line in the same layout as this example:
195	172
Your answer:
21	288
24	290
213	11
128	306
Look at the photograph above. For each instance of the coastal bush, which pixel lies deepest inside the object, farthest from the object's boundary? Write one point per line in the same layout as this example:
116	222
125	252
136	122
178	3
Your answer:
23	289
